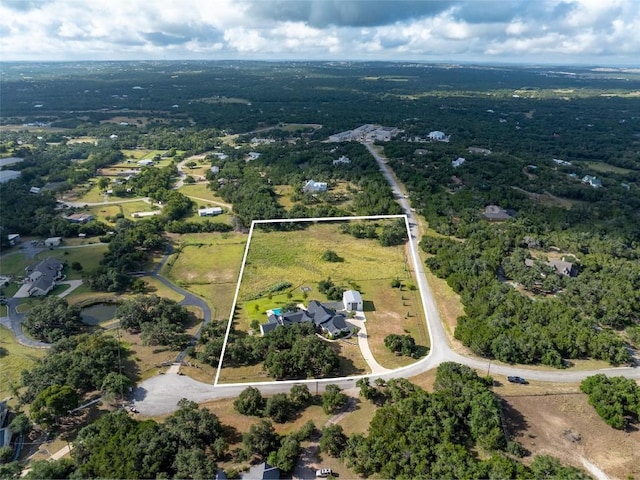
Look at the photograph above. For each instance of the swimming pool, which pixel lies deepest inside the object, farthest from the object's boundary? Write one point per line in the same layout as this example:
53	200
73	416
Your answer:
277	311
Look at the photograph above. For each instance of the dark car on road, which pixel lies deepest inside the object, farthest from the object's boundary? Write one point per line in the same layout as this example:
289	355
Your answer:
517	380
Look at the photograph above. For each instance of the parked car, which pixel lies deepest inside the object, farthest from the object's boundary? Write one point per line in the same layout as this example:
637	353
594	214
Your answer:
323	472
517	380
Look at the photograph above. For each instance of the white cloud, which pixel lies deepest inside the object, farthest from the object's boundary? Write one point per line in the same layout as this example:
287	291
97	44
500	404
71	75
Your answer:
576	30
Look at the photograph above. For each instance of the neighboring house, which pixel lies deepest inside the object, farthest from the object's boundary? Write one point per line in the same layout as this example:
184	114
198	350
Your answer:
562	162
312	187
52	242
7	175
479	151
494	213
220	155
561	266
457	162
215	169
438	136
146	163
209	211
14	238
342	159
35	190
592	181
43	276
253	156
79	217
322	317
341	137
352	300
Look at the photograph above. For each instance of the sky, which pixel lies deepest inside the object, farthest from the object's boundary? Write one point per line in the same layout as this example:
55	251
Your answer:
592	32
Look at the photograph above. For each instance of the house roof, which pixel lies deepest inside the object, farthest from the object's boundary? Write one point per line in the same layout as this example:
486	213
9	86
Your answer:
494	212
352	296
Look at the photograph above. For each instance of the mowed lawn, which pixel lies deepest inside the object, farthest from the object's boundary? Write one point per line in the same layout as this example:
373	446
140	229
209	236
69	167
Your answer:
208	264
296	257
200	190
14	358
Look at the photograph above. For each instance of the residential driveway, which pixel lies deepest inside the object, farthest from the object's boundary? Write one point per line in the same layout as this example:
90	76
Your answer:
73	285
363	343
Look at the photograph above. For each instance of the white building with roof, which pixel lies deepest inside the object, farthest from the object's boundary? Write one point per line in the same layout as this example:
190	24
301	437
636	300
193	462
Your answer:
352	300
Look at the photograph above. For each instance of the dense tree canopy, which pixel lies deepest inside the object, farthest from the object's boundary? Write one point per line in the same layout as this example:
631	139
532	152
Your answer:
52	319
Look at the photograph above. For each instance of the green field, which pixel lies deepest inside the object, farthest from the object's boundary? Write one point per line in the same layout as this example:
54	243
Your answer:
208	264
14	358
607	168
296	257
89	257
200	190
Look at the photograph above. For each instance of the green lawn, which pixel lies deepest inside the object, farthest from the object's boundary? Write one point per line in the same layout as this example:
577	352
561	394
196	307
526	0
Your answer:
129	208
14	358
606	168
200	190
296	257
208	264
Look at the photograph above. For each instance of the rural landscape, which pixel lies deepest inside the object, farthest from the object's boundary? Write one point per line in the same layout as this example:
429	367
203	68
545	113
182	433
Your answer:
222	269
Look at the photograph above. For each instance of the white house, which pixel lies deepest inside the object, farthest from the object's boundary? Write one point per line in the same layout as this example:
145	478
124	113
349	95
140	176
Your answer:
35	190
593	181
52	242
312	187
457	162
215	170
13	238
342	159
352	300
438	136
253	156
146	163
209	211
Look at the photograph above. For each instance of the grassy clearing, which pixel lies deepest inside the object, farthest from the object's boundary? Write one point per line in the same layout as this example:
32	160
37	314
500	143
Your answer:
92	195
141	153
200	190
607	168
15	358
208	264
296	257
129	208
394	311
3	310
89	257
101	212
156	287
283	193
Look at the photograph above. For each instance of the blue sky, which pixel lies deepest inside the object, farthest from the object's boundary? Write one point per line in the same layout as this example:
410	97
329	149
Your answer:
600	32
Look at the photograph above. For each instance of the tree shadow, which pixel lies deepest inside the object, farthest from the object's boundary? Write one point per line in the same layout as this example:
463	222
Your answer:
514	421
368	306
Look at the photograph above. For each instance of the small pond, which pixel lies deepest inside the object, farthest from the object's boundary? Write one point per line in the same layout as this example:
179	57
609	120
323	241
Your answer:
98	313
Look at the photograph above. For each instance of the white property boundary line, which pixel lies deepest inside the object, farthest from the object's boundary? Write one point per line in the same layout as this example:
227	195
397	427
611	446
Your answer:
294	220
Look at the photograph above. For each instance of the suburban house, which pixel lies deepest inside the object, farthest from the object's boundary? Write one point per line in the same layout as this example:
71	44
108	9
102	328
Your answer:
438	136
312	187
43	276
342	159
494	213
324	319
52	242
14	238
209	211
352	300
593	181
561	266
457	162
79	217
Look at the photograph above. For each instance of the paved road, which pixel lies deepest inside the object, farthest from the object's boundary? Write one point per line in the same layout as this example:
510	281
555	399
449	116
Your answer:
160	394
14	323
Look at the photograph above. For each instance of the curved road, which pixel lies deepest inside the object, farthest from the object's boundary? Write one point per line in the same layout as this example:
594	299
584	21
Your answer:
160	394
